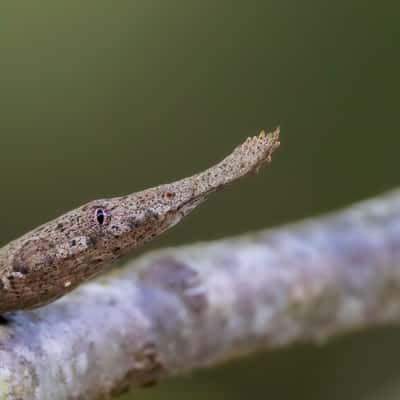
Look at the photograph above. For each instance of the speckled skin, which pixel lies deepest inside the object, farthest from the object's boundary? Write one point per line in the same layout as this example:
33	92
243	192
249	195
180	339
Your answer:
49	261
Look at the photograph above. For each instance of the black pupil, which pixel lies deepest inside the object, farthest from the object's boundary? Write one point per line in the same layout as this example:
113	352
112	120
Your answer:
100	216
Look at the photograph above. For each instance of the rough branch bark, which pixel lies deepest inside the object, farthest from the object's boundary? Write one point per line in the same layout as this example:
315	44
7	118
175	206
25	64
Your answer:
195	306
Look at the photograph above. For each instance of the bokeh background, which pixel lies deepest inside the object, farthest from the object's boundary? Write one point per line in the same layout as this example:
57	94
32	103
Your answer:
101	98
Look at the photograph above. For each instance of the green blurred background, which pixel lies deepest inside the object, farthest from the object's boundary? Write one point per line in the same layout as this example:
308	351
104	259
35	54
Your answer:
105	98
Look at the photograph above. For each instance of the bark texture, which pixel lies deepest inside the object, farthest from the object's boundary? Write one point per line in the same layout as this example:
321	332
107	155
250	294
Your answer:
194	306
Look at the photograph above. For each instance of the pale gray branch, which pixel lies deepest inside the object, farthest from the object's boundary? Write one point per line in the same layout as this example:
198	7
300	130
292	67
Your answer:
190	307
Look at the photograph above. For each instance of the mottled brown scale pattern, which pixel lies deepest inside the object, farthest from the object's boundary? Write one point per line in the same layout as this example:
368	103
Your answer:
54	258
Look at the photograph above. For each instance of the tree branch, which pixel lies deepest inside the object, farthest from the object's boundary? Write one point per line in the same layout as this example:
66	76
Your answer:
190	307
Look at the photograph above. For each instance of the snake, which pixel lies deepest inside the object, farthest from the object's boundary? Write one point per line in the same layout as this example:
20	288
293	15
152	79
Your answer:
51	260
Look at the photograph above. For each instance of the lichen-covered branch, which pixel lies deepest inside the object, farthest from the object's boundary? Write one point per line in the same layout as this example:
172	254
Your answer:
195	306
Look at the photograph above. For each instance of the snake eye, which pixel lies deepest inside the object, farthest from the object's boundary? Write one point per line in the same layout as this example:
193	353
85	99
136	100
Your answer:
100	216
